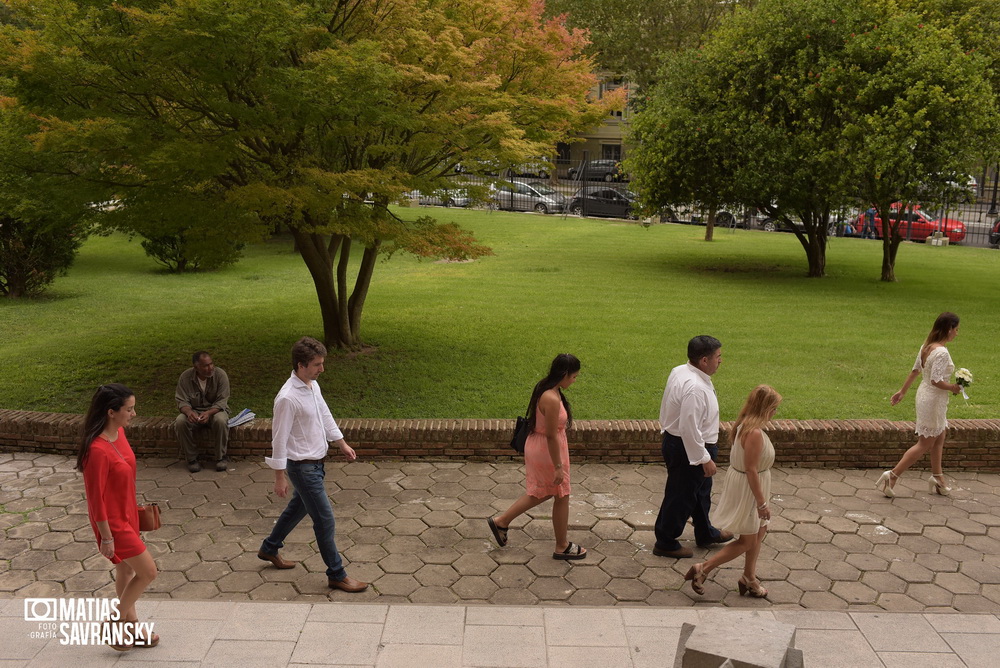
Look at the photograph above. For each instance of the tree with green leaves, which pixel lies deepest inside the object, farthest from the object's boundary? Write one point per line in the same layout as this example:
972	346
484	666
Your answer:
42	224
633	38
801	106
237	116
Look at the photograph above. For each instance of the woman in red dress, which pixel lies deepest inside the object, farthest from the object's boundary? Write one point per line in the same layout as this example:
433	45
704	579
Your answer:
108	466
546	458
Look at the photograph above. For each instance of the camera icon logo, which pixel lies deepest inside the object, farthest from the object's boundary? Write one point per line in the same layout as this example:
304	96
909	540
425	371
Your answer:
41	609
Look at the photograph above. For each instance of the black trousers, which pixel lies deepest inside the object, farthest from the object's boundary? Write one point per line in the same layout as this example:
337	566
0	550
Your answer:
688	494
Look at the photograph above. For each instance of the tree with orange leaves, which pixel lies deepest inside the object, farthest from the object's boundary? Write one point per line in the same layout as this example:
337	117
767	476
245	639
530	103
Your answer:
229	117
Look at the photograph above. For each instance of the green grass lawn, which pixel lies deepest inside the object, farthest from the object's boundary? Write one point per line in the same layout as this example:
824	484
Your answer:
469	340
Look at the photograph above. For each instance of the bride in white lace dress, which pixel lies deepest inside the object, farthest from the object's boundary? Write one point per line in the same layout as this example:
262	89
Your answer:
935	365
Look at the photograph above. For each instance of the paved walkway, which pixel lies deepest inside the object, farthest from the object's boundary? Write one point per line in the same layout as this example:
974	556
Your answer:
258	635
417	531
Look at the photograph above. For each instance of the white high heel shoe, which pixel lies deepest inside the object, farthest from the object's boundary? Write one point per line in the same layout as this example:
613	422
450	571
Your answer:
884	482
936	484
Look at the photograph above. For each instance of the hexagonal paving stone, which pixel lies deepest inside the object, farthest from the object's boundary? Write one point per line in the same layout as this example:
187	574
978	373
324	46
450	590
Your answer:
627	589
809	580
929	594
513	597
957	583
612	530
401	563
911	572
440	537
545	566
221	551
436	575
854	592
474	587
207	571
884	582
243	581
432	595
33	560
839	571
513	576
269	591
621	567
474	564
551	589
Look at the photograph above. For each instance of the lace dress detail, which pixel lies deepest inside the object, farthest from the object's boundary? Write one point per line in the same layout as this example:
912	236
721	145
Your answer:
932	402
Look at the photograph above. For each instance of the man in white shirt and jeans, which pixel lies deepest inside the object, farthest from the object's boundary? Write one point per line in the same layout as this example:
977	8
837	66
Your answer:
300	434
689	420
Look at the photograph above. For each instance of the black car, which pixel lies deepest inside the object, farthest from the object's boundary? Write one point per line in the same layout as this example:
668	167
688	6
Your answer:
603	201
598	170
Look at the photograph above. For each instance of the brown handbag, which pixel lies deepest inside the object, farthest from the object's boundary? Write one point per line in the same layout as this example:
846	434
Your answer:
149	517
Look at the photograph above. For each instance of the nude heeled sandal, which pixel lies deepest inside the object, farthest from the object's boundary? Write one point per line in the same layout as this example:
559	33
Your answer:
936	484
884	481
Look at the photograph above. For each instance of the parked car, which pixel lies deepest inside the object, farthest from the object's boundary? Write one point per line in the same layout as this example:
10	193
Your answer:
604	201
441	197
916	225
537	168
598	170
995	235
693	215
531	196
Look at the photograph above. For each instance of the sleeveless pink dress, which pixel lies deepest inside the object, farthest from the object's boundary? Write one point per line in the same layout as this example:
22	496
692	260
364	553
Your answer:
538	468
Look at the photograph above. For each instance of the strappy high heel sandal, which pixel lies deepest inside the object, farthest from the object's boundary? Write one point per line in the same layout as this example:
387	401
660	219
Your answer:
885	482
751	588
936	484
696	574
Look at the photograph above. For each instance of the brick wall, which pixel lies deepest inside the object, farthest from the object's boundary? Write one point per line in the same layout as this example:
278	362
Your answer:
972	445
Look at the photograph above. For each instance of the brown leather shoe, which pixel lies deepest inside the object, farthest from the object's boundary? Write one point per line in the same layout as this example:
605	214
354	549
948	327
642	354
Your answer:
348	584
276	560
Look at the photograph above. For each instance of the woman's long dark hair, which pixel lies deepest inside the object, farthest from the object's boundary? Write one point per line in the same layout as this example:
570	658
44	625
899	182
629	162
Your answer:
945	322
563	365
107	397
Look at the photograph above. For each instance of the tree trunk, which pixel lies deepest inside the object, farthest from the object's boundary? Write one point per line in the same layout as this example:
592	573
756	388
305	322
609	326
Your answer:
710	225
816	255
341	306
315	253
813	241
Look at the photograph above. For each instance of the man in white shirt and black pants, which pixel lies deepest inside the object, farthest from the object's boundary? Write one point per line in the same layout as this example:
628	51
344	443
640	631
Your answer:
300	434
689	420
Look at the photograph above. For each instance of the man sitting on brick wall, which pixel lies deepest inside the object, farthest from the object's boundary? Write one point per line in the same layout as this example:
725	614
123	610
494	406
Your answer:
203	399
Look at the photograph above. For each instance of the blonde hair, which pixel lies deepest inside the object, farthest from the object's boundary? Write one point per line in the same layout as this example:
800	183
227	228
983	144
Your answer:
756	411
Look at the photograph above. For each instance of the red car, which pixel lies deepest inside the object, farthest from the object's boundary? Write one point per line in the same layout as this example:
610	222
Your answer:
918	227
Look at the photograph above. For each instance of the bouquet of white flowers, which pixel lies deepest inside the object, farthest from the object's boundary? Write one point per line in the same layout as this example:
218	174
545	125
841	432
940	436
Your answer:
964	378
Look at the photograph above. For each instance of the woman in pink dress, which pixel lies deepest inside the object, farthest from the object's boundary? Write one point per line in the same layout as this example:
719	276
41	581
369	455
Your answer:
108	466
546	458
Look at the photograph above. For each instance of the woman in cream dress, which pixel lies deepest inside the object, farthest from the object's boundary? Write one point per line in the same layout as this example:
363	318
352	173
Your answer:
743	507
935	366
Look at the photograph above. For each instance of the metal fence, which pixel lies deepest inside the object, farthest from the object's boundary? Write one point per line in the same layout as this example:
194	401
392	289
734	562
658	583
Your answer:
579	189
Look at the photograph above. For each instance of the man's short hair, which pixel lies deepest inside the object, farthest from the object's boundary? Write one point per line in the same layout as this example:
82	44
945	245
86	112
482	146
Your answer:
198	355
702	346
304	350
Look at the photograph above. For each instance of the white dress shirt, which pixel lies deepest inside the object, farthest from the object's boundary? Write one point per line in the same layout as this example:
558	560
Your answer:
303	426
690	410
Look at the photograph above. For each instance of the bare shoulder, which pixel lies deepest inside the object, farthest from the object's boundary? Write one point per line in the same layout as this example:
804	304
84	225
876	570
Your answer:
752	438
549	399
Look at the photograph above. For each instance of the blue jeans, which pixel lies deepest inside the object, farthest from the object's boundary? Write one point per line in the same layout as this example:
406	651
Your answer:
688	493
309	498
